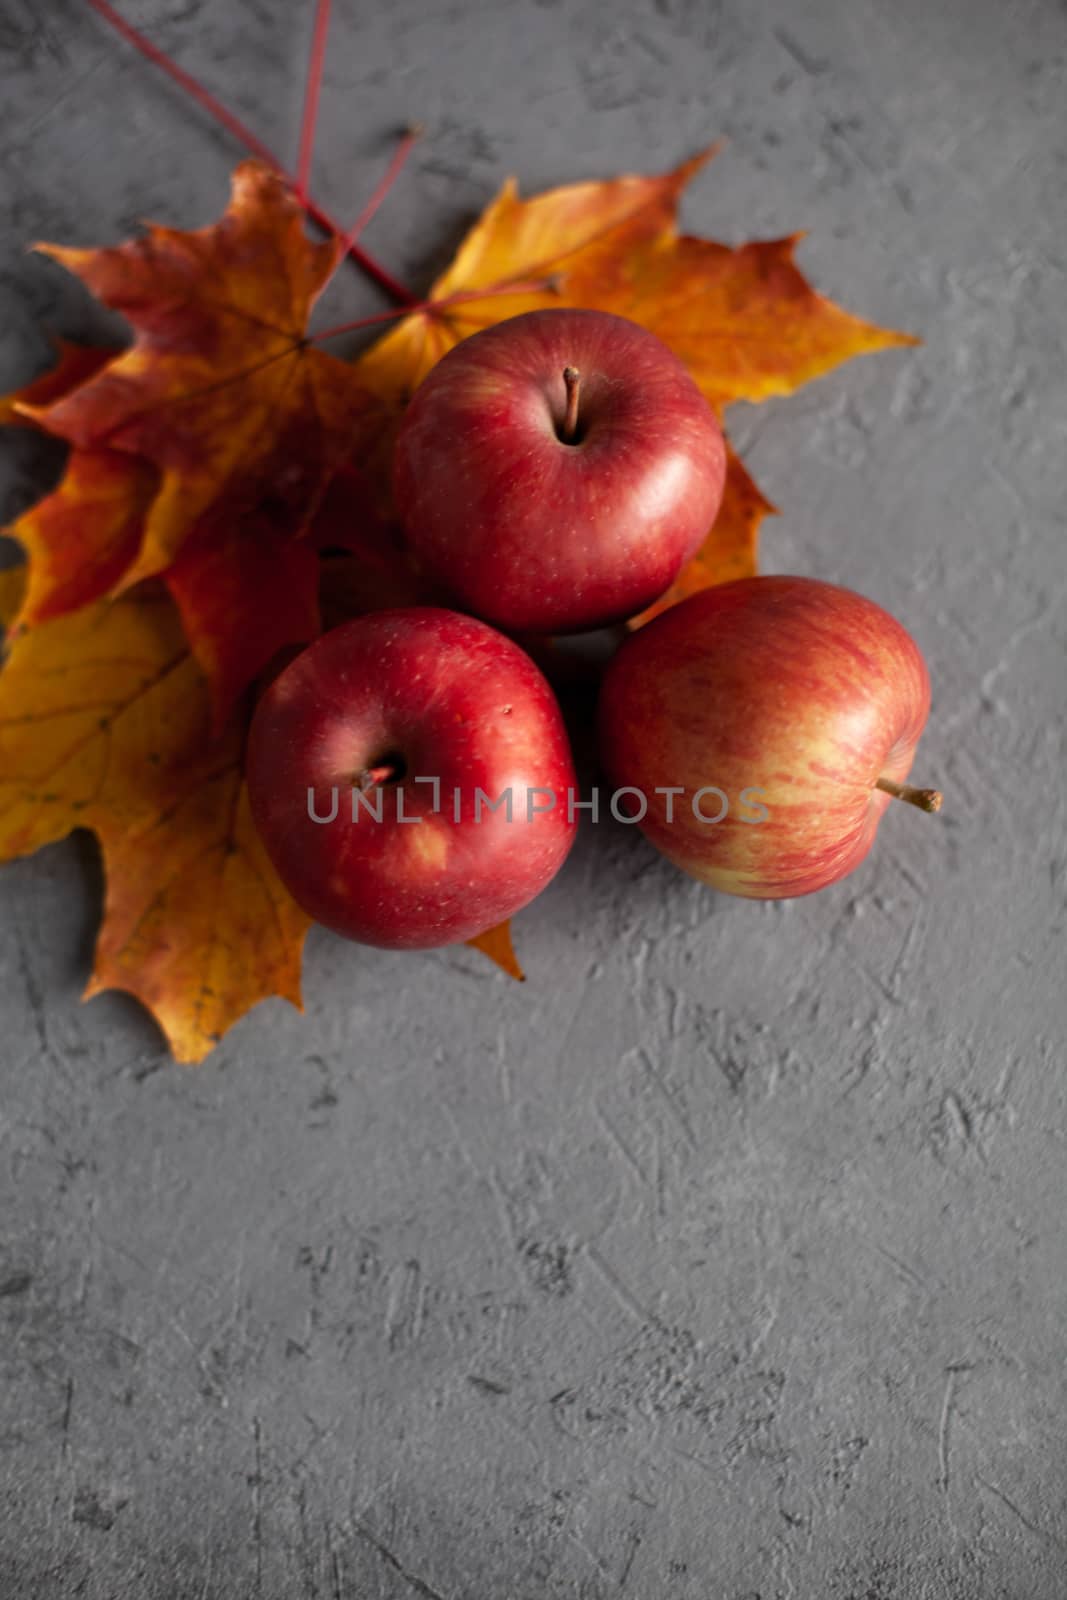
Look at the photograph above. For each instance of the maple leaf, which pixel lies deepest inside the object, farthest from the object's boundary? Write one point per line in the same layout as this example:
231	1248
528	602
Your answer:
81	538
496	944
76	365
522	252
245	422
104	723
745	320
244	593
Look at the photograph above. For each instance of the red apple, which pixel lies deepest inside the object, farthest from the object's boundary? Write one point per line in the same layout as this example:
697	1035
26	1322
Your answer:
343	752
557	470
793	705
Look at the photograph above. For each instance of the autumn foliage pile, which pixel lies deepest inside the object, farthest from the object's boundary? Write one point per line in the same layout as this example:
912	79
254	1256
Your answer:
228	481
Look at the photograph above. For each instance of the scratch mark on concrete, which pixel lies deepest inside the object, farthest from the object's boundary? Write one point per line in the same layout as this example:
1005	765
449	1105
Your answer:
621	1293
58	100
705	1466
33	993
590	1555
211	1386
405	1310
209	1566
902	1267
1027	1522
669	1099
634	1543
947	1402
487	1385
256	1484
86	1273
618	1140
392	1561
957	1116
806	62
335	1567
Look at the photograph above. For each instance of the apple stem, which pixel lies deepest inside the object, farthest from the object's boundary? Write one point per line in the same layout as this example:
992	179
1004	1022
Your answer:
573	379
371	777
925	799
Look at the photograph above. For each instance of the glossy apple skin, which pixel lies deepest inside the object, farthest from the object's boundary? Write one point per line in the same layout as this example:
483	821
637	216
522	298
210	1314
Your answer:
536	534
456	701
795	687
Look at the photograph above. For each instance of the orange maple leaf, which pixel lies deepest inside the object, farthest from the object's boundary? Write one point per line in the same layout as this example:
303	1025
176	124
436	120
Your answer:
82	538
104	724
521	253
496	944
76	365
244	420
745	320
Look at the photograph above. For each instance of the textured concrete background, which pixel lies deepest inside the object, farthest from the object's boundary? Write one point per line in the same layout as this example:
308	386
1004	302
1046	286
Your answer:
726	1259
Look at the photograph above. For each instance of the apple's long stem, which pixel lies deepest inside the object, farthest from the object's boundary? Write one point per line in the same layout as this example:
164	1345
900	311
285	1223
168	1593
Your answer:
573	379
925	799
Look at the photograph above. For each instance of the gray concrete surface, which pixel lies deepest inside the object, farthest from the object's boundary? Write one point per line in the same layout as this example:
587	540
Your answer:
726	1259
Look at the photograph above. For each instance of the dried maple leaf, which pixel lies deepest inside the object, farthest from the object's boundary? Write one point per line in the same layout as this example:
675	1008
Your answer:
496	944
244	593
12	587
82	538
104	723
745	320
221	392
522	252
76	365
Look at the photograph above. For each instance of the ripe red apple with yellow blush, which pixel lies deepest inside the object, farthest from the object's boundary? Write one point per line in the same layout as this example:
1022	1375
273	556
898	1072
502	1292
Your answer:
556	471
367	758
797	702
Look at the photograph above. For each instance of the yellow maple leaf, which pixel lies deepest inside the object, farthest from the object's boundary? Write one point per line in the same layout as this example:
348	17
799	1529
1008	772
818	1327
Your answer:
522	252
105	724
